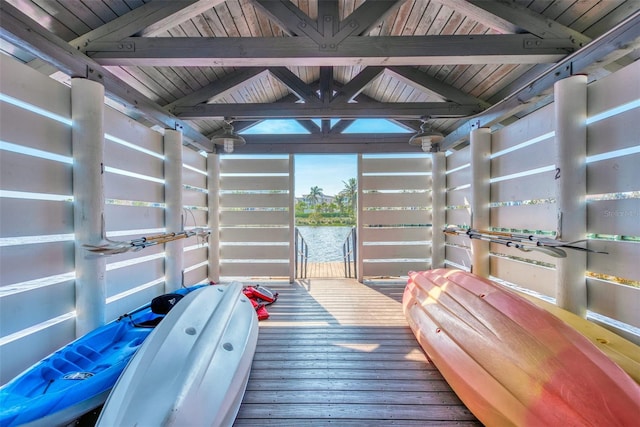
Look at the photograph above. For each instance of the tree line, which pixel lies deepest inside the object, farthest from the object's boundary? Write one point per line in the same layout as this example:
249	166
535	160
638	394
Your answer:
313	210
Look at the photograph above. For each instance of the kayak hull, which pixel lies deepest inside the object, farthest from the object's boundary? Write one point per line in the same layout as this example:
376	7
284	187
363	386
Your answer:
511	362
193	369
77	378
621	351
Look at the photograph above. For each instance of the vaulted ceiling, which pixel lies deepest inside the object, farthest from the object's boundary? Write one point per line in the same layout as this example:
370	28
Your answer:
191	64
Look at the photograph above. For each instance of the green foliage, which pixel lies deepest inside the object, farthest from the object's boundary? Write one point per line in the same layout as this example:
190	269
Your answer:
341	212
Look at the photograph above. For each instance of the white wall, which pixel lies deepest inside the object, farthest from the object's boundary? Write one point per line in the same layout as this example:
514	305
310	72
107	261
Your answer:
37	290
523	198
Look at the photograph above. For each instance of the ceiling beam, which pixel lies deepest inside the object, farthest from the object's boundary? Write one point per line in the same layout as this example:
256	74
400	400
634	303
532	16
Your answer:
615	43
288	17
333	110
326	84
301	51
150	19
327	144
340	126
424	82
221	87
25	33
353	87
529	21
369	14
303	91
188	9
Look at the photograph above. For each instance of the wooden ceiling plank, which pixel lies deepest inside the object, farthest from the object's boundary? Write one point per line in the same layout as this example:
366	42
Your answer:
370	14
187	10
530	21
400	50
423	81
357	84
220	88
248	111
477	13
298	87
22	31
618	41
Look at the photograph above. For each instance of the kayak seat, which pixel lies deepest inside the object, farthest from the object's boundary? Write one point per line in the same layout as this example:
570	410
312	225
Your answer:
65	365
49	373
88	352
78	359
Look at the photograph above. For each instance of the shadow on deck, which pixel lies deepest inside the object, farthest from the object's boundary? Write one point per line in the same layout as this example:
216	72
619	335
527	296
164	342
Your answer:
335	351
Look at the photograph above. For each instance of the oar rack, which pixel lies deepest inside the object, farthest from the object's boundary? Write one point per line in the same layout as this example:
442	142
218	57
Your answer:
111	247
523	242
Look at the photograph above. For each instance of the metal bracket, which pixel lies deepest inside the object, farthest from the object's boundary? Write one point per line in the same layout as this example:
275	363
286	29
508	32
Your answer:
564	44
94	75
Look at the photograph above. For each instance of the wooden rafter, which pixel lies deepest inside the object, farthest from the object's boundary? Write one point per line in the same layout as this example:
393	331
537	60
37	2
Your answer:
303	51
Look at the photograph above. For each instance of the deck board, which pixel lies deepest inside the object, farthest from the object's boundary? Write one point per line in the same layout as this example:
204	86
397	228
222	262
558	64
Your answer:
335	351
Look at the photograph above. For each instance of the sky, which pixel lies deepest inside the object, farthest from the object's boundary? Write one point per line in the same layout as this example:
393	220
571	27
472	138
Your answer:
327	171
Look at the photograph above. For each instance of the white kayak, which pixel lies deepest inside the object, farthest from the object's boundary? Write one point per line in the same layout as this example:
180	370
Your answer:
194	367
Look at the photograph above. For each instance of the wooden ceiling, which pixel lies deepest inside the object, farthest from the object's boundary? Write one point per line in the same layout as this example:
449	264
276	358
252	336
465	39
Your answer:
189	64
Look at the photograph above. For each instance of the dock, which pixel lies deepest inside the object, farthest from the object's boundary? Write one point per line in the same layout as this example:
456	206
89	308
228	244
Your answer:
339	352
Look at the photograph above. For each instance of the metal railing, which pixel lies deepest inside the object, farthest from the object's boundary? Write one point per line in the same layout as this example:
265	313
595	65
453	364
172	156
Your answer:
350	253
302	256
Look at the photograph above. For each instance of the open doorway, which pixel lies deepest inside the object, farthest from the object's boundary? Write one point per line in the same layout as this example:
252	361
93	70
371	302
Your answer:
326	190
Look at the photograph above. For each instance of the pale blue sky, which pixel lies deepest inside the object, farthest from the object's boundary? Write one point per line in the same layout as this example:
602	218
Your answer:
327	171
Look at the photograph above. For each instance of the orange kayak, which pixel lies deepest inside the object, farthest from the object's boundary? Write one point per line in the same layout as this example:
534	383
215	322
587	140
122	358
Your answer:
511	362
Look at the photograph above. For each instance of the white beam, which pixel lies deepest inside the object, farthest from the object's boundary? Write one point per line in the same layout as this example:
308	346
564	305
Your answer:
87	138
571	188
213	204
480	198
438	212
173	213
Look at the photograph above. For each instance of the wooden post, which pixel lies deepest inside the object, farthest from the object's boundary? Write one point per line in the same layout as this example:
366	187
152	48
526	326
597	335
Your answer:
571	187
480	198
360	226
87	137
213	187
173	214
438	213
292	220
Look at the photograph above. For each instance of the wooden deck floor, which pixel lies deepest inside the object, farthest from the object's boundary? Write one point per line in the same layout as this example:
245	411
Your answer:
327	270
340	352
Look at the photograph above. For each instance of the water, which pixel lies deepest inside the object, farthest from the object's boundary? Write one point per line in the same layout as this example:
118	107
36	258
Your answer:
325	243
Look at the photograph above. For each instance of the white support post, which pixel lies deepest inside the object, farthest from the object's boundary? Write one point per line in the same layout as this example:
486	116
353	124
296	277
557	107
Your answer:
480	197
87	136
173	214
438	204
360	226
213	203
292	220
571	187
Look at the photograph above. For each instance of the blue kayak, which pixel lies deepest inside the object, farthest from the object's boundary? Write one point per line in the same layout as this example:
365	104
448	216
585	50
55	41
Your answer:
78	377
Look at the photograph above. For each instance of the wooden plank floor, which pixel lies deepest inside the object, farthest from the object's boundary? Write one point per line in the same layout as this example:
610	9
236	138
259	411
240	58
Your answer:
330	270
338	352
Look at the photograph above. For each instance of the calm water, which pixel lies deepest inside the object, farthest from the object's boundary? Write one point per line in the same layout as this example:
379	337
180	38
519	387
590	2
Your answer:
325	243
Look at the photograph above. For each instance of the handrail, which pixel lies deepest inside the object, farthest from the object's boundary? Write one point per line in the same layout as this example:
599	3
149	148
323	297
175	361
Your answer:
349	249
302	255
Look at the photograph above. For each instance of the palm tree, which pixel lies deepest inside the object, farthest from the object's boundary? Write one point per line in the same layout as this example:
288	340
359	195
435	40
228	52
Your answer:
315	193
350	192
